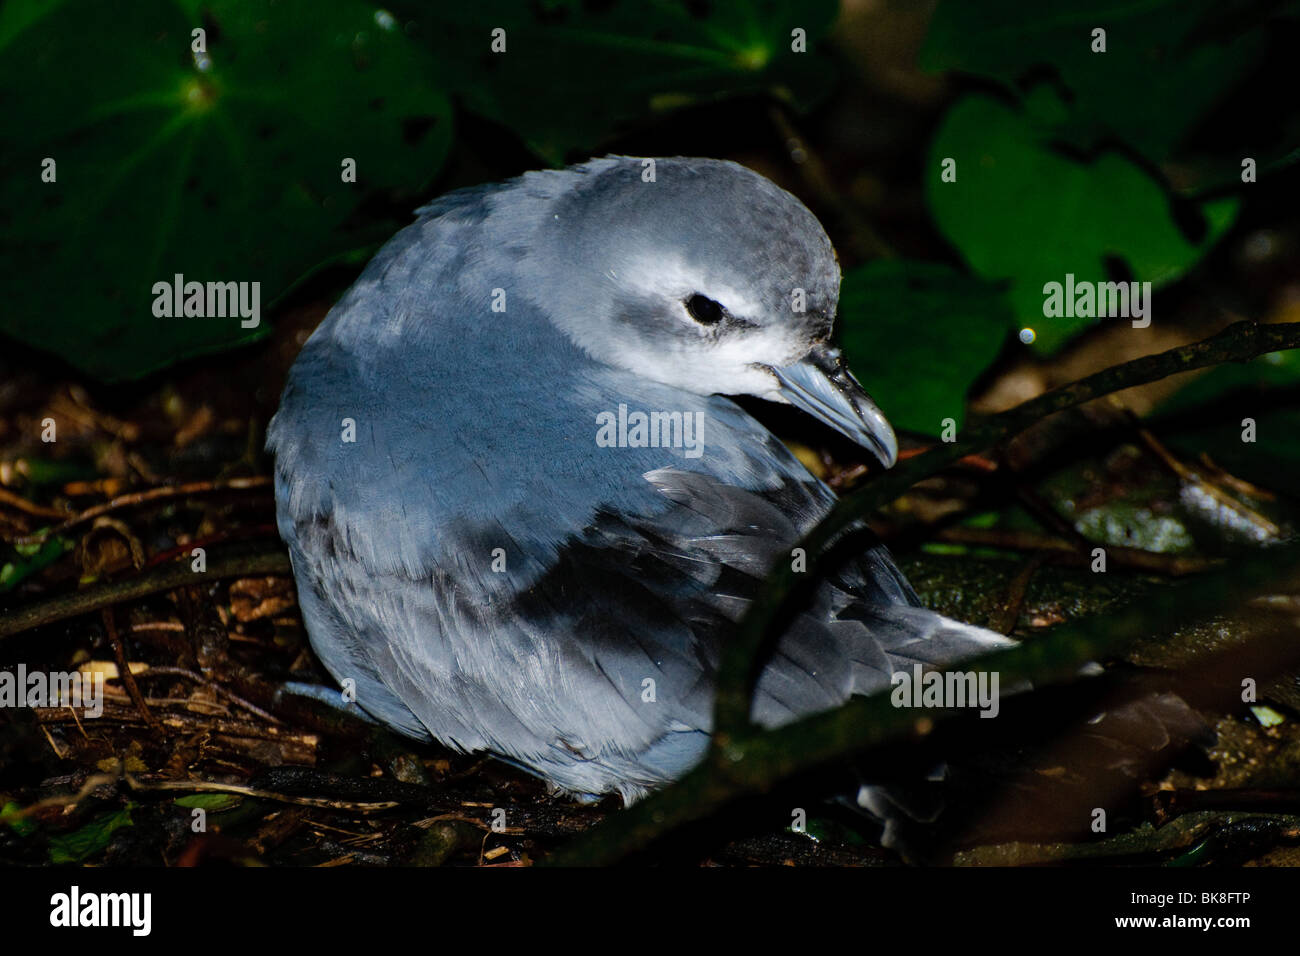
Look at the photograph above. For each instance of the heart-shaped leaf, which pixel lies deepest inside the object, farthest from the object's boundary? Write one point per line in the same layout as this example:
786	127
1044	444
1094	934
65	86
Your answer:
224	164
917	335
1021	210
1164	65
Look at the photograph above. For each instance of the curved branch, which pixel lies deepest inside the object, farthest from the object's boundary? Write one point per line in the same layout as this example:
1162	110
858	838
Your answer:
269	559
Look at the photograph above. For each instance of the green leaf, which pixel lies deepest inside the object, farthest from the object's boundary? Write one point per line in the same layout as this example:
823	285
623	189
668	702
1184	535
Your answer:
91	839
223	167
1166	64
918	334
209	801
40	472
9	817
574	73
31	559
1267	716
1020	210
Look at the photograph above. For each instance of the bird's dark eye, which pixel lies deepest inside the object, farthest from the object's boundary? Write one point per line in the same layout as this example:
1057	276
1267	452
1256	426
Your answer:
704	310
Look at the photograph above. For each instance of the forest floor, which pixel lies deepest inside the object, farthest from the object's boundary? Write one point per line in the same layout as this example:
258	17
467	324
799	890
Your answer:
198	757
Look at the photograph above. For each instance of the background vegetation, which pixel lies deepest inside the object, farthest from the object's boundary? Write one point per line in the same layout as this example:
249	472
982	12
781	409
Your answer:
225	164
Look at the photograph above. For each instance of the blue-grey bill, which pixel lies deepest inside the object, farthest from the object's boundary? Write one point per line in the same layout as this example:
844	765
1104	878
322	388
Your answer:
822	386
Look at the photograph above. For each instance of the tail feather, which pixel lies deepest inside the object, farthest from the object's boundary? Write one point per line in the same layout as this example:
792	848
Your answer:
908	636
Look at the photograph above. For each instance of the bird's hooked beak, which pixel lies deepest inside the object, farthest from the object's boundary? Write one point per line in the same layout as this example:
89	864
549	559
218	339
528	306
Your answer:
820	385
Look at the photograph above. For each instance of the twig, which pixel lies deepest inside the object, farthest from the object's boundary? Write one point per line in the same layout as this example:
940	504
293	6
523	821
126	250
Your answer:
185	720
1191	476
1168	804
1004	619
136	498
53	746
206	541
225	692
211	786
1239	485
848	477
29	507
92	783
979	463
124	671
1061	549
271	559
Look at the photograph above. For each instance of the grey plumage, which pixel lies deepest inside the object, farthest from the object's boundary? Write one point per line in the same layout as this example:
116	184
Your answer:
484	570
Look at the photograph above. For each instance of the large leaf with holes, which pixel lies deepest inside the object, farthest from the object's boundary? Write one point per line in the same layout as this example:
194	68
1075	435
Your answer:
1166	62
565	74
917	335
1021	210
223	167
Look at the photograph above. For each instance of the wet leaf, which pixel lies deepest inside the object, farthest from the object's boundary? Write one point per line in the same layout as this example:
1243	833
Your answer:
1166	63
209	801
10	818
222	166
31	559
91	839
1020	210
893	318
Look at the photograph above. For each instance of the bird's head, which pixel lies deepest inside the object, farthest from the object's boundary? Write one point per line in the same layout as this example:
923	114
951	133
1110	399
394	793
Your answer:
703	275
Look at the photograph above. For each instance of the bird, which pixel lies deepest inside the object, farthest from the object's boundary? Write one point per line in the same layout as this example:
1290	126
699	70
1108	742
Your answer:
524	509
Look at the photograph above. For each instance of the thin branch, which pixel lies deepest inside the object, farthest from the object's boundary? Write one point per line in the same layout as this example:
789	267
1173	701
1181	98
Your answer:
1063	550
248	705
270	559
1005	618
29	507
241	790
1192	477
124	670
137	498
